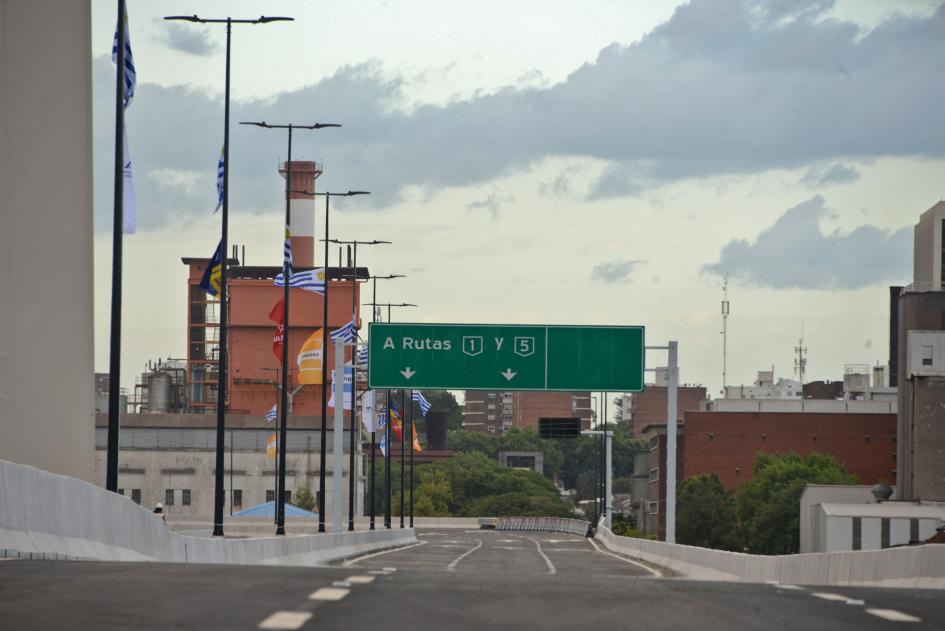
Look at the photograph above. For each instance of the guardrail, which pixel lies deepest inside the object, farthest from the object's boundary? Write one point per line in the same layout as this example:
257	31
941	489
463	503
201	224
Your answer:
49	516
913	566
537	524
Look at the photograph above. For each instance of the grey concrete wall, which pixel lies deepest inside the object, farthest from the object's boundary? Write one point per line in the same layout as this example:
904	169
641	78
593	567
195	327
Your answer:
46	383
917	566
43	515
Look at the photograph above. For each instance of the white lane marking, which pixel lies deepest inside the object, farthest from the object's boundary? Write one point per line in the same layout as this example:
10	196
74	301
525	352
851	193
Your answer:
340	584
655	573
507	548
551	566
360	580
285	620
351	562
380	572
506	540
452	566
389	569
446	545
829	596
779	586
854	601
329	593
892	615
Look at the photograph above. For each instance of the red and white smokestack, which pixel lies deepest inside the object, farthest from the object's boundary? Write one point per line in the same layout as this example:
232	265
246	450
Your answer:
302	211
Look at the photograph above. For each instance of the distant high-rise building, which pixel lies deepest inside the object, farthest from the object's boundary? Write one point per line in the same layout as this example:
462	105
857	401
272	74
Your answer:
495	411
927	259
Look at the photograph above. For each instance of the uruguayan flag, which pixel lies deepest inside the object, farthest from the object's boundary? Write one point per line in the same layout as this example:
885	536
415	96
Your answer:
424	404
362	356
220	169
131	77
271	414
312	280
287	252
381	424
347	333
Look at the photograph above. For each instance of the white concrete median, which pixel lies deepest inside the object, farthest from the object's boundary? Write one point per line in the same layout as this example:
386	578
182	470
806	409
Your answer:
914	566
43	515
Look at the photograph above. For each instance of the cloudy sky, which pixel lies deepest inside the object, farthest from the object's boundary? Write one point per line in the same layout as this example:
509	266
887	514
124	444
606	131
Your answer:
606	162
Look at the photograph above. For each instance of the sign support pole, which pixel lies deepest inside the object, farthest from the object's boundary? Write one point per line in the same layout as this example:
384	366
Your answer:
671	444
338	433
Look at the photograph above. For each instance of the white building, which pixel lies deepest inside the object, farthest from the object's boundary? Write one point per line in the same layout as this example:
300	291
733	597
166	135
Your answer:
766	388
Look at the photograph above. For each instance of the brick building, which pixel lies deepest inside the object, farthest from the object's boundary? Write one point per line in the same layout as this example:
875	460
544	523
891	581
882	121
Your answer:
649	407
496	411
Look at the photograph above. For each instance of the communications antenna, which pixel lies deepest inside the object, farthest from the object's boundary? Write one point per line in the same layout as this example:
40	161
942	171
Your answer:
800	364
725	309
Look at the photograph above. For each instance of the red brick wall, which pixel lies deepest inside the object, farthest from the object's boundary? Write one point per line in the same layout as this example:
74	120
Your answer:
726	443
649	407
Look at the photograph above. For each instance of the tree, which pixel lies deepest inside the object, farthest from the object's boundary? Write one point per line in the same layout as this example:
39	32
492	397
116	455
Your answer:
433	496
304	499
769	505
705	514
440	401
463	441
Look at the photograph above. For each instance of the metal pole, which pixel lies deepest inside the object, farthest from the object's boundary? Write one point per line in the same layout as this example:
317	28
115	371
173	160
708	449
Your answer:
671	443
609	473
403	449
354	407
221	353
603	450
284	394
338	438
410	404
114	362
373	436
388	517
231	472
322	455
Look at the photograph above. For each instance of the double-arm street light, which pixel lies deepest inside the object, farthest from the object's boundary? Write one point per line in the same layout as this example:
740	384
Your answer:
373	434
354	407
387	509
286	278
219	494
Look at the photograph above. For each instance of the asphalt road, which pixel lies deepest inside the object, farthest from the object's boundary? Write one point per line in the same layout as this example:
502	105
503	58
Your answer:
450	580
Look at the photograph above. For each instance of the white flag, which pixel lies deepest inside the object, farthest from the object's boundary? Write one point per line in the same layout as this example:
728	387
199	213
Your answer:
368	412
129	215
347	387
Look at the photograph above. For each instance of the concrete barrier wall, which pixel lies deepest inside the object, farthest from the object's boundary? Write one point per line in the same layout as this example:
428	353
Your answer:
43	515
915	566
538	524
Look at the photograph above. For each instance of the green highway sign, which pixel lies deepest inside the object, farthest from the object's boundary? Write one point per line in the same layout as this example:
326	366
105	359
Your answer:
505	357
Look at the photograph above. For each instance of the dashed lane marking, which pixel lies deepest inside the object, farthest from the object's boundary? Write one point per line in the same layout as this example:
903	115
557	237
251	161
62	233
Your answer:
892	615
551	566
285	620
855	601
780	586
359	580
507	548
655	573
829	596
351	562
340	584
452	566
329	593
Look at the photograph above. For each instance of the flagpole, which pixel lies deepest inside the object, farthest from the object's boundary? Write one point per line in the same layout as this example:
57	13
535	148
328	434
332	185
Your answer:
411	457
354	383
373	433
403	449
114	368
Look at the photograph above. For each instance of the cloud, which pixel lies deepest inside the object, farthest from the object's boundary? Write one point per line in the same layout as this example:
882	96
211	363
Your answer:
613	272
795	253
490	204
722	87
835	173
188	40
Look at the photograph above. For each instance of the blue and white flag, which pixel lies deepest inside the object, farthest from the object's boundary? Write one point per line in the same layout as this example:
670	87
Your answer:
131	76
348	387
312	280
129	202
347	333
363	356
271	414
220	169
369	412
287	253
422	400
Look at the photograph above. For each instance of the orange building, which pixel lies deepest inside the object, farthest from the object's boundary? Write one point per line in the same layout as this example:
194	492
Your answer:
253	370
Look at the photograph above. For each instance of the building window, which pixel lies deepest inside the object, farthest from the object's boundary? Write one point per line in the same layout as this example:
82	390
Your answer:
185	497
738	471
136	496
169	497
764	438
927	355
121	491
270	495
288	496
654	475
237	499
491	395
884	533
815	438
491	406
653	508
492	429
654	443
490	417
913	531
857	533
866	439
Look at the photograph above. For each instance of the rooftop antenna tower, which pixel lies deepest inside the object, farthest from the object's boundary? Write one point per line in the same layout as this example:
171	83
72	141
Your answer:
724	333
800	364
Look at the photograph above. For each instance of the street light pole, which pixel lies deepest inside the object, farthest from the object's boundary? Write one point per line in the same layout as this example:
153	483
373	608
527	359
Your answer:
286	278
219	495
373	434
354	381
